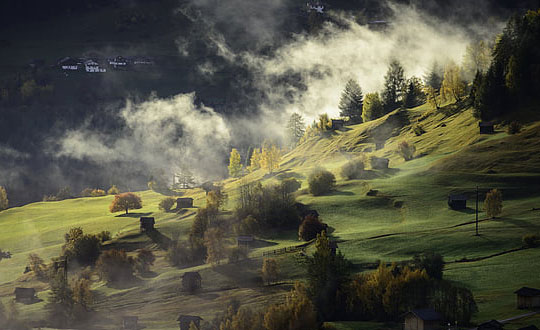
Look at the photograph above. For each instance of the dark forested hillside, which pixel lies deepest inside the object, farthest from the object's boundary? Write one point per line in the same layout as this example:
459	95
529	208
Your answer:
196	46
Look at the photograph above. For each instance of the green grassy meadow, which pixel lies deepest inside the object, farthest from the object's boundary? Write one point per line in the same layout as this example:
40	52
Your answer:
453	158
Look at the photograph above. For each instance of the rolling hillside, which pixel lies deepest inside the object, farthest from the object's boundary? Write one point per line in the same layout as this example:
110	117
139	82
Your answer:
408	215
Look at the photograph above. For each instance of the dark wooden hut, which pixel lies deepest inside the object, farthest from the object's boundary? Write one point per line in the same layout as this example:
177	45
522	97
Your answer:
486	127
147	223
457	202
244	240
191	281
25	295
528	298
185	320
338	124
182	203
422	319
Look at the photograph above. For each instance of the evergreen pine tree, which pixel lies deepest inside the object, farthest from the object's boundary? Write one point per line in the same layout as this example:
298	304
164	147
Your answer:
393	86
351	102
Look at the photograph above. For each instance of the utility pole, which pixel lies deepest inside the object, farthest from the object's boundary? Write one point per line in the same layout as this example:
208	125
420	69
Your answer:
477	211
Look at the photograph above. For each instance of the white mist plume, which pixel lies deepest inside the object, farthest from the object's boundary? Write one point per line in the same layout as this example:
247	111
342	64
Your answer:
325	62
159	134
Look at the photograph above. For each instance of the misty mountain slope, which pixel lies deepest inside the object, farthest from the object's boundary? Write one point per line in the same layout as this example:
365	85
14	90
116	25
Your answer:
408	215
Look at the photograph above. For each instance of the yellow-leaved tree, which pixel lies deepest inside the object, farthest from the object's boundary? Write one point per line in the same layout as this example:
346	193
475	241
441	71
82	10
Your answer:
453	85
4	202
235	164
255	160
270	156
493	203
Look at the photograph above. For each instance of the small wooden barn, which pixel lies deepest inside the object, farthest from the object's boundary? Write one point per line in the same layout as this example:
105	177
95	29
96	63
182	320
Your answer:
528	298
182	203
147	223
244	240
25	295
486	127
338	124
457	202
378	163
191	281
185	320
490	325
422	319
130	322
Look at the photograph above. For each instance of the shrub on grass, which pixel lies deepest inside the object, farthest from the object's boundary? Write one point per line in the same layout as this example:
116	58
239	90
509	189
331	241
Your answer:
290	185
145	259
406	150
531	240
321	182
166	204
353	169
432	263
115	266
80	247
514	128
270	270
310	227
37	265
104	236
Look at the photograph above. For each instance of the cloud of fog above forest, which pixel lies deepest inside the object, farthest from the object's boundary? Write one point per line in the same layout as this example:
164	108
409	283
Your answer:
304	73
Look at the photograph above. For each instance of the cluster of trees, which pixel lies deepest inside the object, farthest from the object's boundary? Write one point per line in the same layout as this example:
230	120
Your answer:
390	291
267	157
332	292
512	79
70	302
384	294
398	91
267	207
206	237
96	192
297	312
